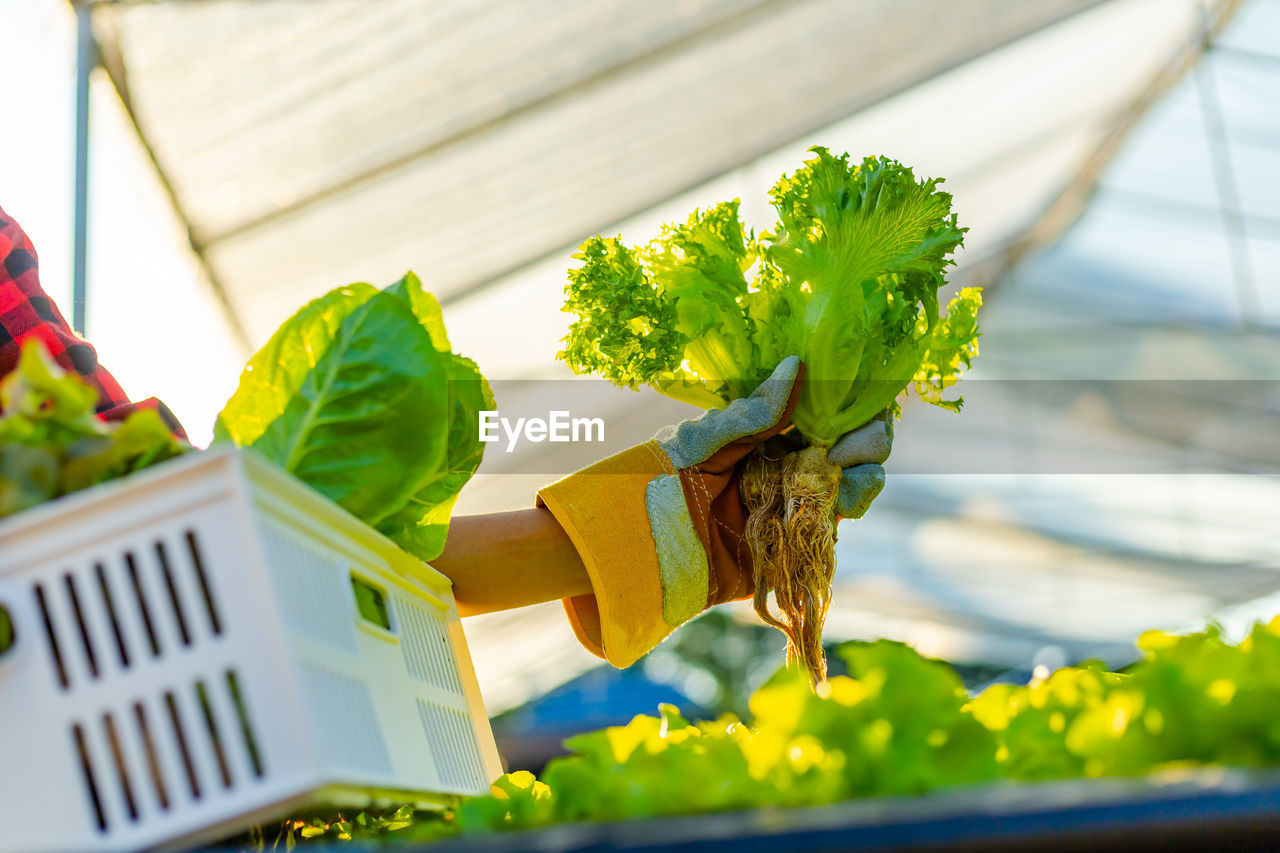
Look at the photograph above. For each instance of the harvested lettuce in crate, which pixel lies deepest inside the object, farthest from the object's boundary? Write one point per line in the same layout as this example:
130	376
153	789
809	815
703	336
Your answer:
52	443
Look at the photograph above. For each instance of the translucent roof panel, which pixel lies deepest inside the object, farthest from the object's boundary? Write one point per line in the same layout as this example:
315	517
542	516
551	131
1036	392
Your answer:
1007	150
1255	30
314	143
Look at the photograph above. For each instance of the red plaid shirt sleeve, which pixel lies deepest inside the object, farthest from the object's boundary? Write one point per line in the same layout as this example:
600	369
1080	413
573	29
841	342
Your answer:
27	312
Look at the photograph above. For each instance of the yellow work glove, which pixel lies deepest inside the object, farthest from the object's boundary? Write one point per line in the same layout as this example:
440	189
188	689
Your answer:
660	527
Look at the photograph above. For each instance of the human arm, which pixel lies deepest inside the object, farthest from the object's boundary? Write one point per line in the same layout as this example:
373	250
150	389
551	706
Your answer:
642	541
510	559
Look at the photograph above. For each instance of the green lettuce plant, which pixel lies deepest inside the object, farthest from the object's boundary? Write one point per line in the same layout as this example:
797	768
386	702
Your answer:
360	396
848	280
900	724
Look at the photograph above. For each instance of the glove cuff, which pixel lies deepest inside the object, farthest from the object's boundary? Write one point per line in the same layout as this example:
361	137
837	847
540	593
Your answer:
643	586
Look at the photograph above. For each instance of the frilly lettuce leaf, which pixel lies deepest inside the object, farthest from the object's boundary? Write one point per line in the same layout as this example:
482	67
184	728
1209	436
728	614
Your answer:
43	403
952	349
626	330
847	280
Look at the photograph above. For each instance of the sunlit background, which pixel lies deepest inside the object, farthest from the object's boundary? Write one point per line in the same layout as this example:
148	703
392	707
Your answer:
1116	161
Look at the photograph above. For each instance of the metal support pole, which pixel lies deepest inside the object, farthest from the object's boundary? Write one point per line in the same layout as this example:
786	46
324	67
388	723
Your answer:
85	60
1224	175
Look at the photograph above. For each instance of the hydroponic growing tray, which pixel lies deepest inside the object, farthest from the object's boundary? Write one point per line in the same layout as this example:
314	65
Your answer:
1207	809
210	643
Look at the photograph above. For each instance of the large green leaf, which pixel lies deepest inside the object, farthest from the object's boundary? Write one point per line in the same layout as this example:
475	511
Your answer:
351	396
277	371
424	307
422	524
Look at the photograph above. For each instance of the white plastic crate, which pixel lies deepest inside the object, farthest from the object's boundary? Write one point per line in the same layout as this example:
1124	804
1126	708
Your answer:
190	659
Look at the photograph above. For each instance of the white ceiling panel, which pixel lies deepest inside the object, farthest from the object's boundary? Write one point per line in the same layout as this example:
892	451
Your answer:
342	140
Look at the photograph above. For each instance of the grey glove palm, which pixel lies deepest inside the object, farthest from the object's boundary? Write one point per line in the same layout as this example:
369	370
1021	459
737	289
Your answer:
861	454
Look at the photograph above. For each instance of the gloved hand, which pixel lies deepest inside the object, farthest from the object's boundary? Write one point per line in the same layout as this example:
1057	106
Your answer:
682	488
861	455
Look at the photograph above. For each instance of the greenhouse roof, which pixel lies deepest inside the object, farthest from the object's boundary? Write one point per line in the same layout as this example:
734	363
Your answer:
327	141
1120	195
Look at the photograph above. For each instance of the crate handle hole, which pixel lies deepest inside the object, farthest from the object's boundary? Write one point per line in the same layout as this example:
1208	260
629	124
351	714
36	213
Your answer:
371	603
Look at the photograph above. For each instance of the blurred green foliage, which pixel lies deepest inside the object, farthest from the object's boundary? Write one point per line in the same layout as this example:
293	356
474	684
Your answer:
897	724
717	661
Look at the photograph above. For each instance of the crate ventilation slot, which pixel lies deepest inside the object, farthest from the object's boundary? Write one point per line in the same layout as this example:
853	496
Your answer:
8	634
453	746
346	721
122	769
179	730
428	654
112	613
202	579
214	734
154	768
86	641
144	609
109	601
245	722
175	600
90	777
51	634
313	590
146	759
